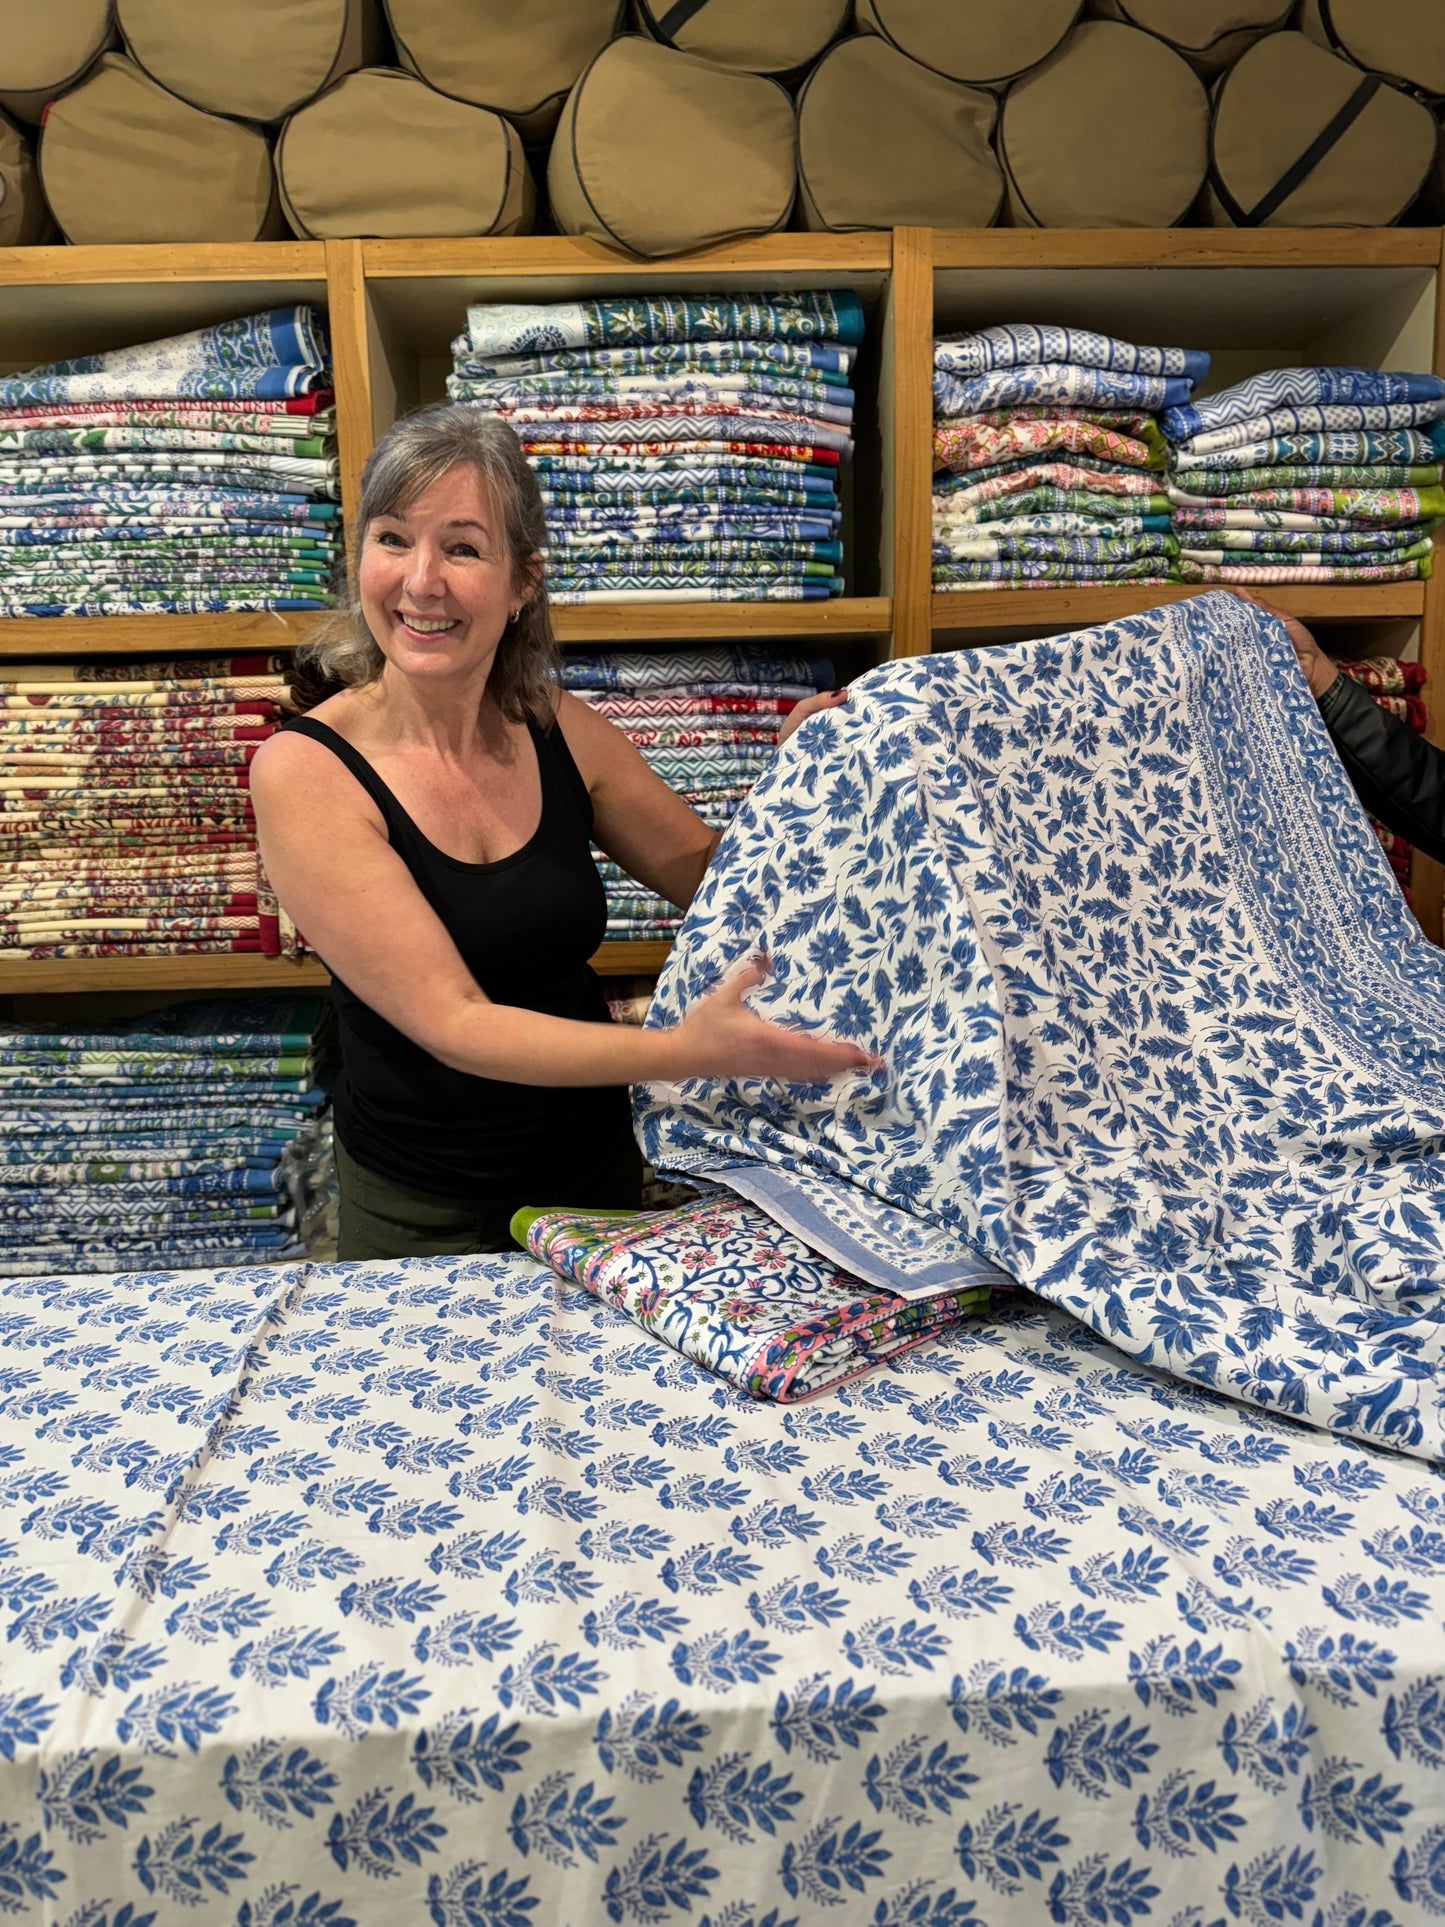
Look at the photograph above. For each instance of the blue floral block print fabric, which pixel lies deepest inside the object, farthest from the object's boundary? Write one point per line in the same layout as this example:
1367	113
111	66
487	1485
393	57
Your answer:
385	1595
1161	1038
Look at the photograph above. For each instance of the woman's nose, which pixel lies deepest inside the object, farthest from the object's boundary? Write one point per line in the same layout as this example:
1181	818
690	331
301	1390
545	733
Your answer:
425	574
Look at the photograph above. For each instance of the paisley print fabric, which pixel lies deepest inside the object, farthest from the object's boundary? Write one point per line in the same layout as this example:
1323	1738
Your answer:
1160	1034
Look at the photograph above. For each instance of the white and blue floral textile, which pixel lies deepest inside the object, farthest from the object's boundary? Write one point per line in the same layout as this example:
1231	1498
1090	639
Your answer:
348	1596
1162	1040
264	356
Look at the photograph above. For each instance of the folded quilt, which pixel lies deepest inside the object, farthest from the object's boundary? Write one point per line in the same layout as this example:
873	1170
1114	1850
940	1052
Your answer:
1208	480
1292	388
1093	551
967	444
1396	536
1351	504
540	327
1025	344
1160	1033
829	362
1054	382
965	574
638	670
724	1285
1296	570
271	356
1047	504
1358	446
1385	675
1351	417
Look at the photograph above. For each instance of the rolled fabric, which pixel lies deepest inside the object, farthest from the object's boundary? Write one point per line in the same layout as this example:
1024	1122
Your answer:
751	36
24	217
49	47
123	160
257	61
660	153
1302	138
1112	130
1404	41
987	43
1211	34
519	60
885	142
381	154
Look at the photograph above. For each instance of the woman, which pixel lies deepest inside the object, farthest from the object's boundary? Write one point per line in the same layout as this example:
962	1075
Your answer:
428	829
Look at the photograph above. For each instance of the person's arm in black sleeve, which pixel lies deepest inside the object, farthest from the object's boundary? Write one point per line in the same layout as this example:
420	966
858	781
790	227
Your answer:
1397	775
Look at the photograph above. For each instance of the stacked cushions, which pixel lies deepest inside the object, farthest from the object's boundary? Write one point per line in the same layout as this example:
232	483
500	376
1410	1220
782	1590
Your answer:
755	36
1049	457
194	475
707	721
24	217
176	1139
1395	686
125	817
687	448
48	48
987	42
1309	475
259	61
518	57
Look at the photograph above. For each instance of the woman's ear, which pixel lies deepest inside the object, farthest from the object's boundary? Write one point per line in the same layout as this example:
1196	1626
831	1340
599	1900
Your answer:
531	577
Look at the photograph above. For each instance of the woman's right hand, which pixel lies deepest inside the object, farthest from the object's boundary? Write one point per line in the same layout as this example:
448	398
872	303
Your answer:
721	1037
1319	670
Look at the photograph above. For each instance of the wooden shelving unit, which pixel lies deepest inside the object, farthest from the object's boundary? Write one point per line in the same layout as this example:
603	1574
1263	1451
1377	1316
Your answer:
1255	298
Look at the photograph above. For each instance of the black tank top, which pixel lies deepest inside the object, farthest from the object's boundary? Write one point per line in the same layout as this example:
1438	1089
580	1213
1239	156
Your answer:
525	927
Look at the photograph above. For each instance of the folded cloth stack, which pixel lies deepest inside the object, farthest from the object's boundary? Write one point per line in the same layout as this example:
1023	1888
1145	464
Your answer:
1309	475
125	813
707	721
195	475
1396	687
178	1138
686	448
1049	459
730	1289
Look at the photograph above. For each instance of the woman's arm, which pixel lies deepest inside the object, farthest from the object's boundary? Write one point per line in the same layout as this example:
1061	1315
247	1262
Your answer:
326	853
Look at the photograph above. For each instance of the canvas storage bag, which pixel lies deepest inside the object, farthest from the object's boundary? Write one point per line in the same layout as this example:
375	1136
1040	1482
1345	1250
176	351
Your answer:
123	160
382	155
1211	34
755	36
255	59
984	42
48	45
884	142
659	153
1303	139
1111	131
518	57
1402	39
24	217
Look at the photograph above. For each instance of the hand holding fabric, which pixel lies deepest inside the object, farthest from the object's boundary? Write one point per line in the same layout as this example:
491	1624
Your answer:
810	706
720	1037
1319	670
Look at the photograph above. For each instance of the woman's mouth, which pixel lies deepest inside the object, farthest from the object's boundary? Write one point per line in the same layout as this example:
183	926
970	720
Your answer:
425	625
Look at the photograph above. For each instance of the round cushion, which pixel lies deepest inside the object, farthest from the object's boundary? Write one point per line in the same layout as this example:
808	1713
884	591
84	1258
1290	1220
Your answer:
987	42
518	57
1303	139
884	142
255	59
24	217
123	160
1211	34
1111	131
658	152
48	45
383	155
754	36
1402	39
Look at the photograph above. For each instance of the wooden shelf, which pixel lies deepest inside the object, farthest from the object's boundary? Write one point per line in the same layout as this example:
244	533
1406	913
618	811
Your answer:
555	257
691	622
1086	606
1186	247
638	959
24	637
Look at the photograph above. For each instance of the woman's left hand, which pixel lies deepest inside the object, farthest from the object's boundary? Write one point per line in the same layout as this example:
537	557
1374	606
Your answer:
810	706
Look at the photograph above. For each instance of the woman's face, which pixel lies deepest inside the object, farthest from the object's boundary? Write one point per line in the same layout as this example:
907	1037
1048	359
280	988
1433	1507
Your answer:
436	580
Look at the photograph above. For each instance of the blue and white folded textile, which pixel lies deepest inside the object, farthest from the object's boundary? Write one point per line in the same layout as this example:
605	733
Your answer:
1292	388
1026	344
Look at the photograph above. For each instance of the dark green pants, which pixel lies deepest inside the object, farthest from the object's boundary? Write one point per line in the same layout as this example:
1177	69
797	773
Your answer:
380	1219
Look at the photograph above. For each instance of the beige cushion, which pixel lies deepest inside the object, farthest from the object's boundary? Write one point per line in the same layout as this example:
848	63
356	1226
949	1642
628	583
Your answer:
883	142
1274	103
658	152
1402	39
24	217
518	57
987	42
1211	34
1111	131
383	155
48	45
755	36
255	59
123	160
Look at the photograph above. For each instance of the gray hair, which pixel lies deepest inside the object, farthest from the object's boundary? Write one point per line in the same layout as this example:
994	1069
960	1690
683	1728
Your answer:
417	451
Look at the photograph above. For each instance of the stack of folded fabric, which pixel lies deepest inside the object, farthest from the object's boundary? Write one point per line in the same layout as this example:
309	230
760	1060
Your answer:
180	1138
1395	686
686	448
125	817
1049	459
1309	475
195	475
707	722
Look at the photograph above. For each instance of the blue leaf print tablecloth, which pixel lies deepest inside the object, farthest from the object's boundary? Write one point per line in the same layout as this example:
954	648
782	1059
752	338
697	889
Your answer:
377	1593
1161	1037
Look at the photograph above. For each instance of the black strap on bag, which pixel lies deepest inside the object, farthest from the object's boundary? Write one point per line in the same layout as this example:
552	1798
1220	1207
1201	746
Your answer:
1328	136
676	17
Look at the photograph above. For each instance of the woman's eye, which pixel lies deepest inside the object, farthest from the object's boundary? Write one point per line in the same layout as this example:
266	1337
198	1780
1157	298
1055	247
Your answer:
466	548
389	538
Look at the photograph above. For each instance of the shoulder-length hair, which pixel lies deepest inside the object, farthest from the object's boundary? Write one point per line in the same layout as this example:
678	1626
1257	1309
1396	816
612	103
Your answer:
419	450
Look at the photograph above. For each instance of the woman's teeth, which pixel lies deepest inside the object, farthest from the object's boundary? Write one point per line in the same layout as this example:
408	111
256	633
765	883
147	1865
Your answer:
424	628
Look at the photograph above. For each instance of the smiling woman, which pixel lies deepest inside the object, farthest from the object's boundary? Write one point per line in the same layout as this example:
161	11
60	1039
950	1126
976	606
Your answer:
430	829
